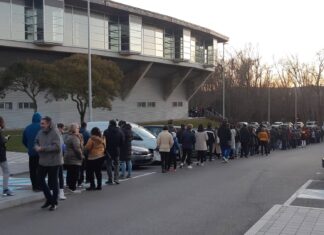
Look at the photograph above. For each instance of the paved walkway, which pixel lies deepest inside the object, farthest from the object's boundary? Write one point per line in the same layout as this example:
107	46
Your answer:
301	214
18	163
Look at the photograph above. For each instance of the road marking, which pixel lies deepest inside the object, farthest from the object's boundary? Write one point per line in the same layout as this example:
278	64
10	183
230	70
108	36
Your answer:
143	175
299	191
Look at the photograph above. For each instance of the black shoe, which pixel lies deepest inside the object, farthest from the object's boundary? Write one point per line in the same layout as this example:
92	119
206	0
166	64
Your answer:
109	182
47	204
98	188
116	182
53	207
90	189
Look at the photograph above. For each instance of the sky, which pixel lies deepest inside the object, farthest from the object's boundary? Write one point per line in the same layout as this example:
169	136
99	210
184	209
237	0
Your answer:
276	28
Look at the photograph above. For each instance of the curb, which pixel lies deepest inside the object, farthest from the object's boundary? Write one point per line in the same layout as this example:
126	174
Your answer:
19	200
258	225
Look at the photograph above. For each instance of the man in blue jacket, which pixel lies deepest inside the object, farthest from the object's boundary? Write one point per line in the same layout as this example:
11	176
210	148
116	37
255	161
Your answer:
28	140
188	142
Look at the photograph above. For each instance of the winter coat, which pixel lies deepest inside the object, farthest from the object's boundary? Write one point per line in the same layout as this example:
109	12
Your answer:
263	136
96	147
201	141
74	150
114	140
244	135
180	135
164	141
50	142
126	149
30	133
188	139
224	134
211	137
3	150
85	134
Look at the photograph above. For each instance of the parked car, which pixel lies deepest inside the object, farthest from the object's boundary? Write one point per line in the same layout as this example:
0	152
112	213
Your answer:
277	124
299	124
141	137
156	129
311	124
256	125
287	124
241	124
141	156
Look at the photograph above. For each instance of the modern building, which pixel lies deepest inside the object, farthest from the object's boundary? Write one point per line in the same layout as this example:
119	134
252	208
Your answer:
165	60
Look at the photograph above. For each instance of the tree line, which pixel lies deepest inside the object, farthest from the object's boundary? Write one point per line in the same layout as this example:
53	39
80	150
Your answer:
251	84
64	79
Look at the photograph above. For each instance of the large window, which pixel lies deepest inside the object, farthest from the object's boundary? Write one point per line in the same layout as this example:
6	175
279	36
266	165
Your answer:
68	26
80	28
152	41
5	19
186	44
168	44
5	105
113	33
53	24
18	20
98	30
135	32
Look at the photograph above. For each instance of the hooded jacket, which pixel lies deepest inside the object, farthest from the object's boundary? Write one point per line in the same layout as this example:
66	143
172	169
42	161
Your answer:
96	146
126	150
74	149
114	140
30	133
50	142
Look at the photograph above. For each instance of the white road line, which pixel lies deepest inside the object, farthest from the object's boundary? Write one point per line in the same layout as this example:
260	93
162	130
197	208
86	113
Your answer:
295	195
143	175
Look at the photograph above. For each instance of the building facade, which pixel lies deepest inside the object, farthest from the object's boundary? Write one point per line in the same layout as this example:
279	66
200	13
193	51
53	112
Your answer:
164	60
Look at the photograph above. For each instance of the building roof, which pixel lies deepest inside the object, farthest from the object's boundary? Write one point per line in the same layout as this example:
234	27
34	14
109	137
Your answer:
158	16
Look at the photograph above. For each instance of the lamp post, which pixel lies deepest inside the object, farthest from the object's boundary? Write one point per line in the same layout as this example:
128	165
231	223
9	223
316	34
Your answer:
269	103
89	64
223	76
296	111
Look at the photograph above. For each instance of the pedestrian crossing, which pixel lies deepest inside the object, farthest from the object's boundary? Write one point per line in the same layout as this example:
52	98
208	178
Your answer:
16	183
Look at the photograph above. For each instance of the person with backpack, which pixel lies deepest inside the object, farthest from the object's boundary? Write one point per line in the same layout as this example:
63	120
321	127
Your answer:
3	160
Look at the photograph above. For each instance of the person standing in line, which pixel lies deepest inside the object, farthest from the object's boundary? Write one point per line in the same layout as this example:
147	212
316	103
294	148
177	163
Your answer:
60	127
264	140
188	142
164	144
28	140
201	144
211	141
95	146
3	161
73	157
233	142
114	142
48	146
173	153
85	135
180	138
245	140
224	134
218	150
126	150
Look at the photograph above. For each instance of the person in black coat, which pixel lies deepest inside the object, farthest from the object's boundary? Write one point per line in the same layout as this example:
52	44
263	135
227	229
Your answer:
114	142
126	150
224	134
245	140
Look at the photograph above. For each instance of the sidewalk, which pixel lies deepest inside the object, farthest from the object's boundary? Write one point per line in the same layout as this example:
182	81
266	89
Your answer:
302	214
18	163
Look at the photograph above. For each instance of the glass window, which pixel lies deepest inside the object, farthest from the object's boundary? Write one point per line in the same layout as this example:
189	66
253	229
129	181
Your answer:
2	105
5	19
141	104
175	104
186	44
113	33
159	42
151	104
200	52
193	50
180	104
53	24
168	44
80	28
135	32
98	31
148	40
18	20
68	26
8	105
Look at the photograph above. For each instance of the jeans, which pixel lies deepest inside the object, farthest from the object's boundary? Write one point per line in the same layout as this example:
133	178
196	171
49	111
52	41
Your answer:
112	161
52	173
123	167
33	172
225	151
186	156
94	168
164	160
72	176
201	156
5	172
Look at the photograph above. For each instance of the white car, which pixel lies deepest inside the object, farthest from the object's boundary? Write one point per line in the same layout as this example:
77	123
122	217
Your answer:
256	125
141	137
311	124
277	124
299	124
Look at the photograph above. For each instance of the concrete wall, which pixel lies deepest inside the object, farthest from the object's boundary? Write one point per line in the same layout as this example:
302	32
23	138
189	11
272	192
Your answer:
146	90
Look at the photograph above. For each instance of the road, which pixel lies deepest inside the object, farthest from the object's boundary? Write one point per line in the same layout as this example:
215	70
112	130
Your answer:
215	199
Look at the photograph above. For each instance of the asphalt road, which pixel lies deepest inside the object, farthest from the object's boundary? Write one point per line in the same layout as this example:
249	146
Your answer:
215	199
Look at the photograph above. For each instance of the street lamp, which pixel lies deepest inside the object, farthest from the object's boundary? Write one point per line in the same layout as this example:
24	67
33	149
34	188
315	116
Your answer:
89	65
296	111
269	103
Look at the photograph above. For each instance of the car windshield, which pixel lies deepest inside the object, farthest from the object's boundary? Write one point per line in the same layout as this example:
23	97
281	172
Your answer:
143	132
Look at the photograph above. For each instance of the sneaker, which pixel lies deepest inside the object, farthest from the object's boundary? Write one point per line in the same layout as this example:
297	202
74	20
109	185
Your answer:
202	164
53	207
80	186
7	192
224	159
46	204
77	191
190	167
181	165
109	182
116	182
61	195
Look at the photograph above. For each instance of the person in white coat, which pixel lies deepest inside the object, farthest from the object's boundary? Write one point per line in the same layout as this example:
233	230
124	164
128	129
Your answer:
164	143
201	144
233	144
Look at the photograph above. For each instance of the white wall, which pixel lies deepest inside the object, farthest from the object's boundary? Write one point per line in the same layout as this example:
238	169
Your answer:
147	90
